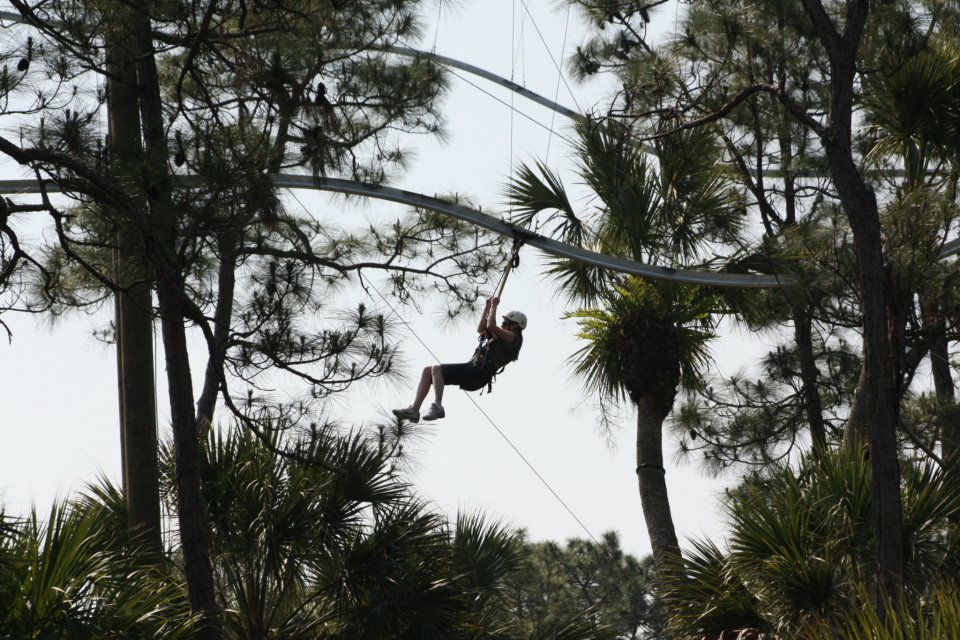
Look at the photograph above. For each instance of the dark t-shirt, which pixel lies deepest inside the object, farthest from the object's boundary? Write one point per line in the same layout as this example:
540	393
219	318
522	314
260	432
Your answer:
477	373
496	353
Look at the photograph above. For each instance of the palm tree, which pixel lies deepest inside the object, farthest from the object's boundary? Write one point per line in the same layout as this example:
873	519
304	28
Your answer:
65	577
641	344
800	560
316	537
643	339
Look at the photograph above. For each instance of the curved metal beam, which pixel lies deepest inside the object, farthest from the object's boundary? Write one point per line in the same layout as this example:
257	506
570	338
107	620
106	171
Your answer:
549	245
487	75
543	243
949	249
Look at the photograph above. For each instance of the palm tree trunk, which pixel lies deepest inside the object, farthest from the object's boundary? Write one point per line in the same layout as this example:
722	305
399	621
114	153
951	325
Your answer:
651	477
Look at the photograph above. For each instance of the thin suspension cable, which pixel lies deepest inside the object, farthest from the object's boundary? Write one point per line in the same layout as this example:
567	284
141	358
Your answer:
516	42
556	90
510	106
436	27
445	60
513	64
485	415
406	50
547	47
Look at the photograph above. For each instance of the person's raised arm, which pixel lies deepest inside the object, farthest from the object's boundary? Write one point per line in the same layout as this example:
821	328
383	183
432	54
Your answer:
492	328
482	327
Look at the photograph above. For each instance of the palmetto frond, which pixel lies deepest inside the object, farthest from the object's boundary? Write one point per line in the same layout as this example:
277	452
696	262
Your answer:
709	597
533	192
572	627
61	577
664	209
931	501
936	616
660	208
485	553
700	207
579	282
801	551
644	339
915	111
619	172
393	580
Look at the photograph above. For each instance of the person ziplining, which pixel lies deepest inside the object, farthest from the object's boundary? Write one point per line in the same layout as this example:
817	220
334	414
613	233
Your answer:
499	346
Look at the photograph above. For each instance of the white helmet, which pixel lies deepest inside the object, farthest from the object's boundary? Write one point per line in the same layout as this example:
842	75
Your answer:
517	316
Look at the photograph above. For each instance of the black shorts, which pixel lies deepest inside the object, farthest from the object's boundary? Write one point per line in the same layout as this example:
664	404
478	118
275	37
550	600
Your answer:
467	375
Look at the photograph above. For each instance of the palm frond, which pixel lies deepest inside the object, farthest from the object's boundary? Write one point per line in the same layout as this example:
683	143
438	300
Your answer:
913	112
572	627
709	598
532	192
640	334
70	578
578	282
485	554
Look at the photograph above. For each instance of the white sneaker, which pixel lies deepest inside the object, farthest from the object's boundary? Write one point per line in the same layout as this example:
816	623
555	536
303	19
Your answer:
436	412
408	413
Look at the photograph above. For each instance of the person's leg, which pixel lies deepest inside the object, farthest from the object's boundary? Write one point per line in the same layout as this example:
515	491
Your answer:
437	371
412	412
442	375
426	379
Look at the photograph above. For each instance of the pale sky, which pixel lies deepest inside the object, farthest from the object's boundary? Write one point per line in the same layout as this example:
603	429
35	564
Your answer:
57	384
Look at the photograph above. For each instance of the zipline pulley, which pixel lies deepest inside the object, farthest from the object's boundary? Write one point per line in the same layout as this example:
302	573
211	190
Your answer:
512	263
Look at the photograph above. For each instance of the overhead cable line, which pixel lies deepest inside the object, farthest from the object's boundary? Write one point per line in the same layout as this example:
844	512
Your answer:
523	91
487	75
510	106
556	90
546	47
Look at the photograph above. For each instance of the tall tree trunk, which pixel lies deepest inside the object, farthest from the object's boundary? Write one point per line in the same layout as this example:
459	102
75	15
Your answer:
944	388
134	304
860	206
855	430
809	377
226	289
174	309
651	477
191	510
